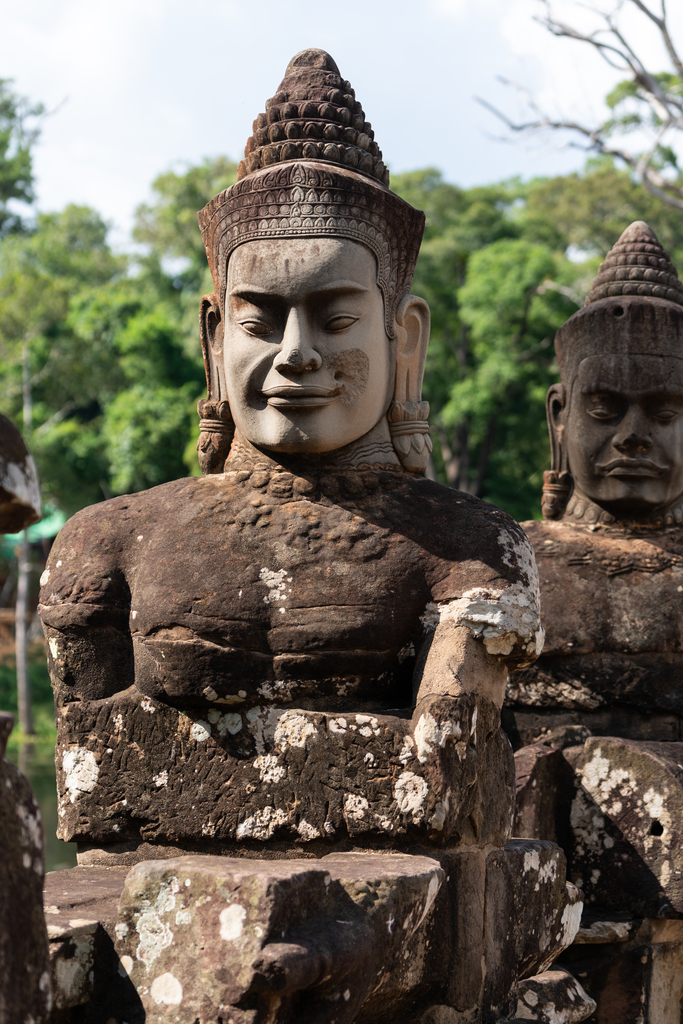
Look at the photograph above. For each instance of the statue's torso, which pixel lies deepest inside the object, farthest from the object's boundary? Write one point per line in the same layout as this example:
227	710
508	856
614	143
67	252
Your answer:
265	586
612	608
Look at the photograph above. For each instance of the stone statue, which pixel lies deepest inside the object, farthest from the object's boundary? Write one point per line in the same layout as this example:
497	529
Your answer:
303	652
608	687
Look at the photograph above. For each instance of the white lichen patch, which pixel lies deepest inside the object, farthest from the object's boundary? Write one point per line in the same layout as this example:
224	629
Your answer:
406	753
31	828
568	693
53	644
571	922
307	831
438	818
147	705
269	768
367	725
155	937
508	621
430	734
232	922
355	807
161	779
166	990
200	731
279	689
410	793
262	824
294	730
532	861
230	722
276	581
81	771
44	578
154	933
338	726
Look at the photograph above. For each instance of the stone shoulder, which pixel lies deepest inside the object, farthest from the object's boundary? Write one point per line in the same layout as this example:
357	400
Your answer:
474	531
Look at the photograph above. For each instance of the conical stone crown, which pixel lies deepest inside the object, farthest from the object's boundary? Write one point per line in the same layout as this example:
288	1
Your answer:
314	115
637	265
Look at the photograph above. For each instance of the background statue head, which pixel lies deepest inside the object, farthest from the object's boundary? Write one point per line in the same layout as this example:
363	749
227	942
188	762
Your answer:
311	338
616	418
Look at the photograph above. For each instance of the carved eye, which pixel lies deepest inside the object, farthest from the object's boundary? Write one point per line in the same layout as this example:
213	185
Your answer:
666	415
601	413
340	323
256	327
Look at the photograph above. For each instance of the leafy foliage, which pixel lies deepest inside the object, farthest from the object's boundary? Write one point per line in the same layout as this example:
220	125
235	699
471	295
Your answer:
16	140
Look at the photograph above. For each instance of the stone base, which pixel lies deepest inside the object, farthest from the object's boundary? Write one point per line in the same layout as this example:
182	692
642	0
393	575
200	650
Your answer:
346	938
131	769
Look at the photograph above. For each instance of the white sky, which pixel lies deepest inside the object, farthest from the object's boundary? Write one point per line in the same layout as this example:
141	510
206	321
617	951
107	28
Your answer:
149	84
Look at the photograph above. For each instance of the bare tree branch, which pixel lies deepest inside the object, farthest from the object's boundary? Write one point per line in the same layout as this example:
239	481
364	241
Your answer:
658	97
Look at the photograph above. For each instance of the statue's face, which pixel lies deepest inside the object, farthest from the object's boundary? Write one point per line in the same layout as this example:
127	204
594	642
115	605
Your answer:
308	363
624	431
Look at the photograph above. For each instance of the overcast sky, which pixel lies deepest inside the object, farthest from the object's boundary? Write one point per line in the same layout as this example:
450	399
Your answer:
144	85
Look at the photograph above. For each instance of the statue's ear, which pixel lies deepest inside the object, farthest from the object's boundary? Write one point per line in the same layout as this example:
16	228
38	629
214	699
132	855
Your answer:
407	414
211	332
412	337
555	405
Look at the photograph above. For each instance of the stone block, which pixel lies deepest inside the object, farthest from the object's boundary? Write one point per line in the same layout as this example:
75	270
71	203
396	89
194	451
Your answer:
531	915
279	940
627	825
553	997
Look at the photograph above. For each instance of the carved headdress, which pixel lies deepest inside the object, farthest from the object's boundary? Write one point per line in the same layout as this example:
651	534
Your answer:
634	307
312	168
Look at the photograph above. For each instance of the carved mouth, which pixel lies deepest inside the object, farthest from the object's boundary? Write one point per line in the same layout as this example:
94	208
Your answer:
296	396
631	467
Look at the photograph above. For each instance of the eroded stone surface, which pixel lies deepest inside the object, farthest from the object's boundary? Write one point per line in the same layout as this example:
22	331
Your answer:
287	938
138	768
24	972
525	882
20	503
553	997
628	811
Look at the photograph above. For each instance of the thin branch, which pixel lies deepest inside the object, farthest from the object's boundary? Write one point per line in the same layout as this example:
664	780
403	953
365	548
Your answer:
56	417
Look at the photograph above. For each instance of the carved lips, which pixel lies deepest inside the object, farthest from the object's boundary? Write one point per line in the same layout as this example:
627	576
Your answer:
631	467
296	396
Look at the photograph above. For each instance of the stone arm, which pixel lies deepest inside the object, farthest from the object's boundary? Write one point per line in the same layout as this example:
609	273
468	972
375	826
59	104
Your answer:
473	642
85	609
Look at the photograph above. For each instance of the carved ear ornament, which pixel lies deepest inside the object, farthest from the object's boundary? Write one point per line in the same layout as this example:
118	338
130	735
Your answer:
557	487
409	429
216	431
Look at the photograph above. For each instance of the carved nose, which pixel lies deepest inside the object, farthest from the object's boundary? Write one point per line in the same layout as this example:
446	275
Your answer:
297	353
632	435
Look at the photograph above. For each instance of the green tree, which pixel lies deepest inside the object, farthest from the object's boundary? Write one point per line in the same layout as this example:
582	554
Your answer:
18	132
502	267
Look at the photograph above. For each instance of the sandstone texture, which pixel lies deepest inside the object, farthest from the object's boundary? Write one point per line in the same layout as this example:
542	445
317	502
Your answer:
25	993
613	653
370	937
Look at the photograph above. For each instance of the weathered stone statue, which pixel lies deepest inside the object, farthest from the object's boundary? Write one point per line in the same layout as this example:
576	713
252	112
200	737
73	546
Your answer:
25	992
303	652
610	557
